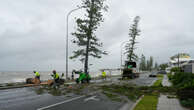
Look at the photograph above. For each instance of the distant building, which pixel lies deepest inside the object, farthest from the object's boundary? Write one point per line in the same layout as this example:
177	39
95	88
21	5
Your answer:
186	63
188	66
178	62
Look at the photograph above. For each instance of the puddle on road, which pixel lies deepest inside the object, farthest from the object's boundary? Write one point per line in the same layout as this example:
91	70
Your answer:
48	90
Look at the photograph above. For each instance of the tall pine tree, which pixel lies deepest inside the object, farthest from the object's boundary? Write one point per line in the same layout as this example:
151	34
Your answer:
156	66
148	65
143	63
133	33
85	37
151	63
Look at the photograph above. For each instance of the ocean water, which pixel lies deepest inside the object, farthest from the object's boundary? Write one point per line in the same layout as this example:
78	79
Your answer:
12	77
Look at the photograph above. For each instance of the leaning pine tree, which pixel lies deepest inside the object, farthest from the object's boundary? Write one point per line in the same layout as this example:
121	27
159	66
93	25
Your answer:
133	33
85	37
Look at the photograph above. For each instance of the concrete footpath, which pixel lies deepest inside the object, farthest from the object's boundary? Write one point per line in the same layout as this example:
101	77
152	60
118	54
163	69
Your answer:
165	103
165	81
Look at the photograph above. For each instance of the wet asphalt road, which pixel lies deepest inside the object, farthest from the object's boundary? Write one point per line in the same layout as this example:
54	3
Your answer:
28	99
31	99
25	99
143	80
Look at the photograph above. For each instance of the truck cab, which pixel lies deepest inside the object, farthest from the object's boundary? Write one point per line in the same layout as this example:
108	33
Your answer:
129	70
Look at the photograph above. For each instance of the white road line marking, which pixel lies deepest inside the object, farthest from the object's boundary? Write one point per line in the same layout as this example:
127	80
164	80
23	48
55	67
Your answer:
43	108
91	98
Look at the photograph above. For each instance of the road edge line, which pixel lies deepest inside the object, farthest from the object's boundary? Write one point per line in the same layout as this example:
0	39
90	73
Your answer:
59	103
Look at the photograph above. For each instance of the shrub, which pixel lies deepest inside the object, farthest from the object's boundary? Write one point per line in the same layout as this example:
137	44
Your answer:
183	80
185	84
175	69
188	103
185	94
170	76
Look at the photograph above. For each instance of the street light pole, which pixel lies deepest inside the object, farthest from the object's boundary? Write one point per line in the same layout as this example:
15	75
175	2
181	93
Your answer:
67	38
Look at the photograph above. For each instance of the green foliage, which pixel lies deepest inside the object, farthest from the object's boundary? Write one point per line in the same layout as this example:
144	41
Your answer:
126	90
170	76
147	65
165	89
175	69
85	37
163	66
188	103
143	63
112	96
156	66
10	84
160	75
148	102
183	80
185	94
150	63
186	97
158	83
133	33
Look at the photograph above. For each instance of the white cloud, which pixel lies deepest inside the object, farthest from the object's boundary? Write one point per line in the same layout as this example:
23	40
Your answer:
32	32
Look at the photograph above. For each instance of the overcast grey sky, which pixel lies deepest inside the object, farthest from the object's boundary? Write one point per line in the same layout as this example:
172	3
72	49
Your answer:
32	32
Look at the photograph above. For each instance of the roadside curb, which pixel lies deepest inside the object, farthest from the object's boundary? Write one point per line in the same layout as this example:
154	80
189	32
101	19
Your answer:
128	106
19	86
135	104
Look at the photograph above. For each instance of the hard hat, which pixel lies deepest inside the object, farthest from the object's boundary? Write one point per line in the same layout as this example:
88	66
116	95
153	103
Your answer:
54	71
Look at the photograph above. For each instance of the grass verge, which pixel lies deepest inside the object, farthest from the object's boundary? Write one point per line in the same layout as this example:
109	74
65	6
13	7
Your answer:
158	83
131	92
148	102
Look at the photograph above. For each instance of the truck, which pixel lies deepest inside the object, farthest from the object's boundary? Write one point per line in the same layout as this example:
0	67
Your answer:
129	70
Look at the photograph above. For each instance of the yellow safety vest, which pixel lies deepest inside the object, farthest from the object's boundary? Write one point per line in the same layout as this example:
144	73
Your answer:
56	76
104	74
37	74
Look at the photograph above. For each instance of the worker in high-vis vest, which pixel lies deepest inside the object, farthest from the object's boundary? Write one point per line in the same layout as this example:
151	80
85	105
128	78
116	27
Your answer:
103	74
37	75
55	75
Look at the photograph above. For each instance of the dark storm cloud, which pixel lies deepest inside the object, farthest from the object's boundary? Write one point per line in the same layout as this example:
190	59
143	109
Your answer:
32	32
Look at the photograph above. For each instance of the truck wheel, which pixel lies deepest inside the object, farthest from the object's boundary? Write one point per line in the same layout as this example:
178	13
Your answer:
83	81
77	81
88	81
133	76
